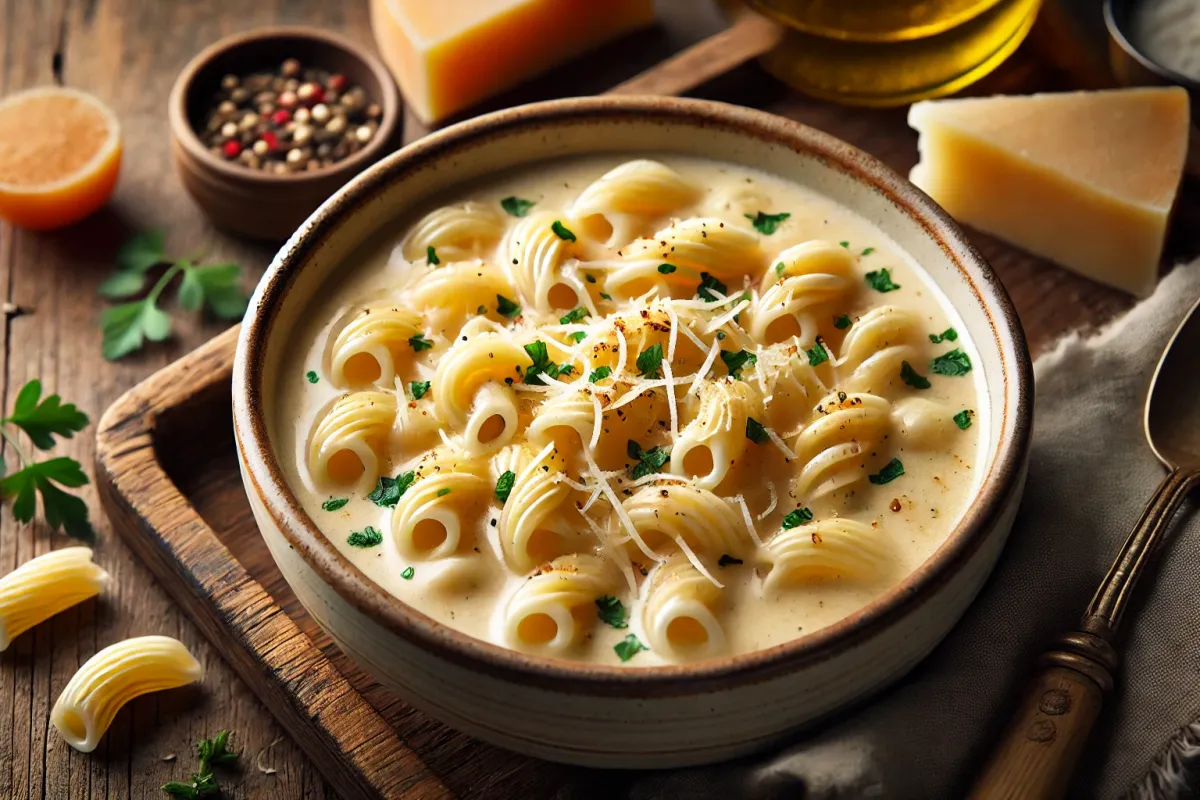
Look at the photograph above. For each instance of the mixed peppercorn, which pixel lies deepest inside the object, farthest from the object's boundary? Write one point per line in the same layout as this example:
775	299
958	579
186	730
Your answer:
291	119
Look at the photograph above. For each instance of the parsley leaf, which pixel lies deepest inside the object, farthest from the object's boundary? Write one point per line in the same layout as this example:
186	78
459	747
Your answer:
868	251
766	223
779	268
481	311
797	517
367	537
573	316
842	322
818	354
311	376
599	374
649	362
612	611
506	307
755	432
408	573
948	335
629	647
431	256
709	284
418	343
542	365
727	560
736	360
335	503
606	296
891	470
443	492
845	245
954	363
515	206
215	751
203	783
418	389
61	510
881	281
963	419
47	419
504	485
390	490
911	377
562	232
126	327
666	269
578	336
647	461
141	252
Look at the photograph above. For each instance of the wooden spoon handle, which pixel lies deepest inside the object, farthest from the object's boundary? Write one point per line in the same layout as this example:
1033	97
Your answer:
751	35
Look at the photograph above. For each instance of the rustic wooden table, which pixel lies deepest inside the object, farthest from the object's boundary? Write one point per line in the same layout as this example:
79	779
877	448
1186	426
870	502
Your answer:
128	52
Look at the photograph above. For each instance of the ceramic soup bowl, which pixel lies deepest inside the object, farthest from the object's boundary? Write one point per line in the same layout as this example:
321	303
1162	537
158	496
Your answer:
611	716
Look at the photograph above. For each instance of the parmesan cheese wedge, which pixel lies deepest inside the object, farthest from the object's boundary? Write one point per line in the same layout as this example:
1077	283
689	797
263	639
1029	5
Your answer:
449	54
1085	179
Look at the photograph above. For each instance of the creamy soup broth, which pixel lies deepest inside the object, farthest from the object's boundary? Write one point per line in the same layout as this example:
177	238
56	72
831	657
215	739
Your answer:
828	448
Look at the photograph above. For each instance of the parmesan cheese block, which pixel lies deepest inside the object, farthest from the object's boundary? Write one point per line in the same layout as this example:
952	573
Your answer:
1085	179
450	54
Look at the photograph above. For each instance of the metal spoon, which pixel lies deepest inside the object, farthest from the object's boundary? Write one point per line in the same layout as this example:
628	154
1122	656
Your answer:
1039	750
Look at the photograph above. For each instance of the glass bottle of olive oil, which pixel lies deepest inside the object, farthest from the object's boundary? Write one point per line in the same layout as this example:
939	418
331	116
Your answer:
891	52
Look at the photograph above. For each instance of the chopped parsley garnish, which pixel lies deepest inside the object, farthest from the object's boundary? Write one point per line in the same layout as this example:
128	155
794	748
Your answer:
797	517
506	307
709	284
818	354
203	783
443	492
408	573
573	316
504	485
612	611
954	364
868	251
727	560
649	362
566	369
542	365
881	281
336	503
312	376
720	336
629	647
948	335
418	389
779	268
431	256
606	296
963	419
390	490
481	311
367	537
845	245
912	378
578	336
647	461
842	322
891	470
562	232
515	206
766	223
666	269
755	432
419	343
736	360
589	277
599	374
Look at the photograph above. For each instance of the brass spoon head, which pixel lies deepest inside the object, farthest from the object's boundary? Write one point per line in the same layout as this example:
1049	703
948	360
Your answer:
1173	405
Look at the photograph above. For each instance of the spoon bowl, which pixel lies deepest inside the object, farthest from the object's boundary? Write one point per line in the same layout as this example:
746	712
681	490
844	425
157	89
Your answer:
1172	407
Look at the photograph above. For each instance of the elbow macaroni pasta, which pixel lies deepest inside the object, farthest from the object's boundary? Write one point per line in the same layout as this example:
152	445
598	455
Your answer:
113	677
823	550
349	445
372	345
627	197
680	615
554	608
455	232
45	586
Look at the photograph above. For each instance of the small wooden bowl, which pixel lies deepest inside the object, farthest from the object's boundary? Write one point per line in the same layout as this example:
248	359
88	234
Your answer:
261	205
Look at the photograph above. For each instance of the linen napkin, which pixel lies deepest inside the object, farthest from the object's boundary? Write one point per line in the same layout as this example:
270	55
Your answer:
1090	476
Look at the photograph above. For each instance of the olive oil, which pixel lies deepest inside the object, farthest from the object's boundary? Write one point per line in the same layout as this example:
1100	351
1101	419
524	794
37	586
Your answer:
891	52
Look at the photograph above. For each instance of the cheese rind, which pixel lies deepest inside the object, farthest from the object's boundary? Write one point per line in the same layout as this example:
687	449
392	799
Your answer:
449	54
1085	179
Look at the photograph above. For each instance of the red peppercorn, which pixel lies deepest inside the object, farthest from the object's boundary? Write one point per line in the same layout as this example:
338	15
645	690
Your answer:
317	96
281	117
336	83
271	139
231	148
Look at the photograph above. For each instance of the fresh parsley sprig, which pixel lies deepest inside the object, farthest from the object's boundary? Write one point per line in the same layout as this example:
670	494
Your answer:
127	326
42	420
211	752
646	461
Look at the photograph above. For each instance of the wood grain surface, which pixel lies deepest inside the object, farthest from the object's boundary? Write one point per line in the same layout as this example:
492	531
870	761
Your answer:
128	52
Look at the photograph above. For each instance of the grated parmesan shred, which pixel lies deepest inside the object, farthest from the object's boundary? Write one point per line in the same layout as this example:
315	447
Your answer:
615	502
697	563
774	501
778	442
727	317
740	501
709	360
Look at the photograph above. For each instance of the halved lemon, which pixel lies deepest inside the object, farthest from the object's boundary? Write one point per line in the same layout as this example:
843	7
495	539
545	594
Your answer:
60	153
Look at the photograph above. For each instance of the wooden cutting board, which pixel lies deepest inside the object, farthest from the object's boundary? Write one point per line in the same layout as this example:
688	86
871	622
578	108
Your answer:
168	477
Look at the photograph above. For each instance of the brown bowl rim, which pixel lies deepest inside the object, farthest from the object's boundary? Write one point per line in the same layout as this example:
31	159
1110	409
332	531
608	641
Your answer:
189	141
1116	16
998	486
